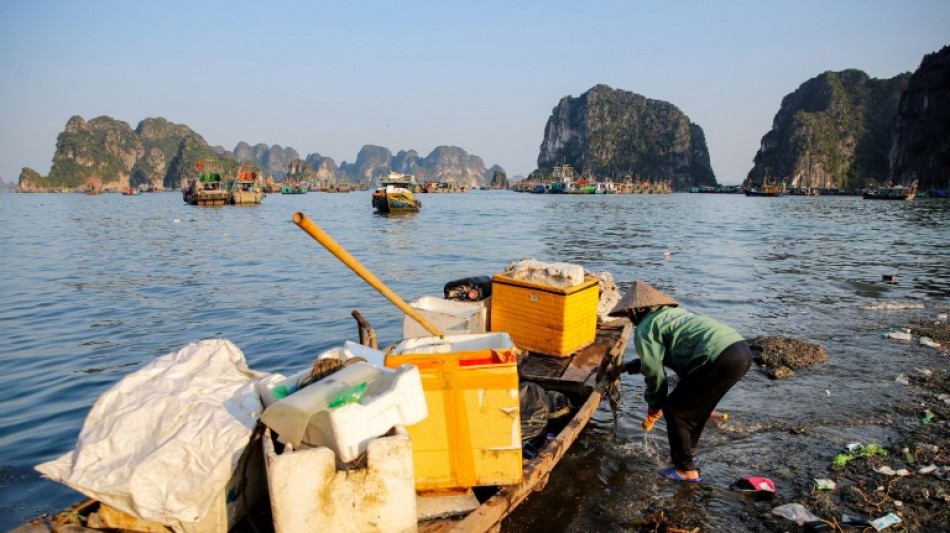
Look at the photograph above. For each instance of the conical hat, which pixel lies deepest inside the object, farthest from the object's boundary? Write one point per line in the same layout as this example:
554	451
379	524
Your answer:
641	295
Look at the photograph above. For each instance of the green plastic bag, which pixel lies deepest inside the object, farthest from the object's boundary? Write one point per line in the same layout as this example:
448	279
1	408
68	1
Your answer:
350	395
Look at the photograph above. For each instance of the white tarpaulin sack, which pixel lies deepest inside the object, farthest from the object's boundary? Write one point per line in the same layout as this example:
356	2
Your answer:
163	442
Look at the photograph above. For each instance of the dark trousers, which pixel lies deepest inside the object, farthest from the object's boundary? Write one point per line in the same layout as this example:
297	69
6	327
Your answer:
688	407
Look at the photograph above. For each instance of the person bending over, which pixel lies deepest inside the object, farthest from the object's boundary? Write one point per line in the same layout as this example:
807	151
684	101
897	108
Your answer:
708	357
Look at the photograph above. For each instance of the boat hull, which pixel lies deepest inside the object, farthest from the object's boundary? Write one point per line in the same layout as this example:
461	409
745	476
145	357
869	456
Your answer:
398	202
246	197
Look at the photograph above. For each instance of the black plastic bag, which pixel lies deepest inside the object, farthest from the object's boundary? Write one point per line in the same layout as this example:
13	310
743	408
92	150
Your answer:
534	410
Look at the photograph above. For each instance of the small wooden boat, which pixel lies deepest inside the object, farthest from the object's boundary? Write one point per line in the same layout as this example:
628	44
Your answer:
896	192
394	194
584	377
206	190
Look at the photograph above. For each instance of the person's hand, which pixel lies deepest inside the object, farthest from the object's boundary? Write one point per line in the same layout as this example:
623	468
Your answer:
633	367
652	416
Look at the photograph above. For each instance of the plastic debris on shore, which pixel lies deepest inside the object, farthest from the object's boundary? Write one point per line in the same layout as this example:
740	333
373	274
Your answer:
885	521
761	487
888	471
927	341
795	512
825	484
859	451
901	334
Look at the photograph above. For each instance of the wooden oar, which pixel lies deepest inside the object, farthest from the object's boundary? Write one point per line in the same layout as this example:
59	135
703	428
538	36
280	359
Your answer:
334	248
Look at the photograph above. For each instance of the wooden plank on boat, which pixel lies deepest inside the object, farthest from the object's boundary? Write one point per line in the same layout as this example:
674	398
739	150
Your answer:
488	516
575	374
584	363
542	366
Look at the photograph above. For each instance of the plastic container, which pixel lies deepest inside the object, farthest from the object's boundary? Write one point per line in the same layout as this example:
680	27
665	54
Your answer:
472	436
545	319
885	521
308	493
305	418
449	316
795	512
898	334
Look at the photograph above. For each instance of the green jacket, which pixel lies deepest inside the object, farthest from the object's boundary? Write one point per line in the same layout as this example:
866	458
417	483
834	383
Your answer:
675	338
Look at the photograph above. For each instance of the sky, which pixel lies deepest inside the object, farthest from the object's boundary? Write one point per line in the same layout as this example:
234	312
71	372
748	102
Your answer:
329	77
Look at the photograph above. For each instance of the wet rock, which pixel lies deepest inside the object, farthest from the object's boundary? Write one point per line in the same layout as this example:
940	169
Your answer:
781	355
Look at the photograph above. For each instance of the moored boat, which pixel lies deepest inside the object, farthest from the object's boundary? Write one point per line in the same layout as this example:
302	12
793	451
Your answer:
394	194
891	192
295	188
583	377
246	188
206	190
766	189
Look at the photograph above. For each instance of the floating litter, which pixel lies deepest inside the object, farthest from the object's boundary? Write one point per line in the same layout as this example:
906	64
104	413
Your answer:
177	220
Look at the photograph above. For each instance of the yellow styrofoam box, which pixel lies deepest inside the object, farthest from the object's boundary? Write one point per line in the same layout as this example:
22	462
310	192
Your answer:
472	436
541	318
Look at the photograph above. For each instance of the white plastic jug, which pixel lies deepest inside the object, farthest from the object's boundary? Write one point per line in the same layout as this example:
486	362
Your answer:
290	417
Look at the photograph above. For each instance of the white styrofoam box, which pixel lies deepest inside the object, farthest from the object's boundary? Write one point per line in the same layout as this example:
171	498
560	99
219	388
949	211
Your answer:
455	343
304	418
449	316
308	493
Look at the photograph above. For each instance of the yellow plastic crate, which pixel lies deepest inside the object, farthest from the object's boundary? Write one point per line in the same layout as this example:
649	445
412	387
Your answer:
472	436
548	320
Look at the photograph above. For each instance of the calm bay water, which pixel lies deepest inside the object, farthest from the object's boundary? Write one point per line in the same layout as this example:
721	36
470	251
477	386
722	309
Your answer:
96	286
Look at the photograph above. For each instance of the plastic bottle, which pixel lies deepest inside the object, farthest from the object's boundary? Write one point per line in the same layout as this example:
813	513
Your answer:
901	335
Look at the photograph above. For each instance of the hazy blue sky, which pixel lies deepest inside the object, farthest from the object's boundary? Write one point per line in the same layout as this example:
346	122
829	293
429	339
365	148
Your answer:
329	77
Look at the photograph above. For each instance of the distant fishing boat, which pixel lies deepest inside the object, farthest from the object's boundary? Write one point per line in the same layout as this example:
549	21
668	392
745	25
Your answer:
394	194
896	192
767	189
299	188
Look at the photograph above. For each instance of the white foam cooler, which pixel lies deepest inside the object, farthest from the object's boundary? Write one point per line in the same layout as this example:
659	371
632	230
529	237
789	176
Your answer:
308	493
304	419
449	316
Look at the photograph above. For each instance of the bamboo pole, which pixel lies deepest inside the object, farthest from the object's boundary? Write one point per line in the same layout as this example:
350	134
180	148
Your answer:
334	248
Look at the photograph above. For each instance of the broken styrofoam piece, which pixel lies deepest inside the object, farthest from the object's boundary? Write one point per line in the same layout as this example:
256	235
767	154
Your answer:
552	274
